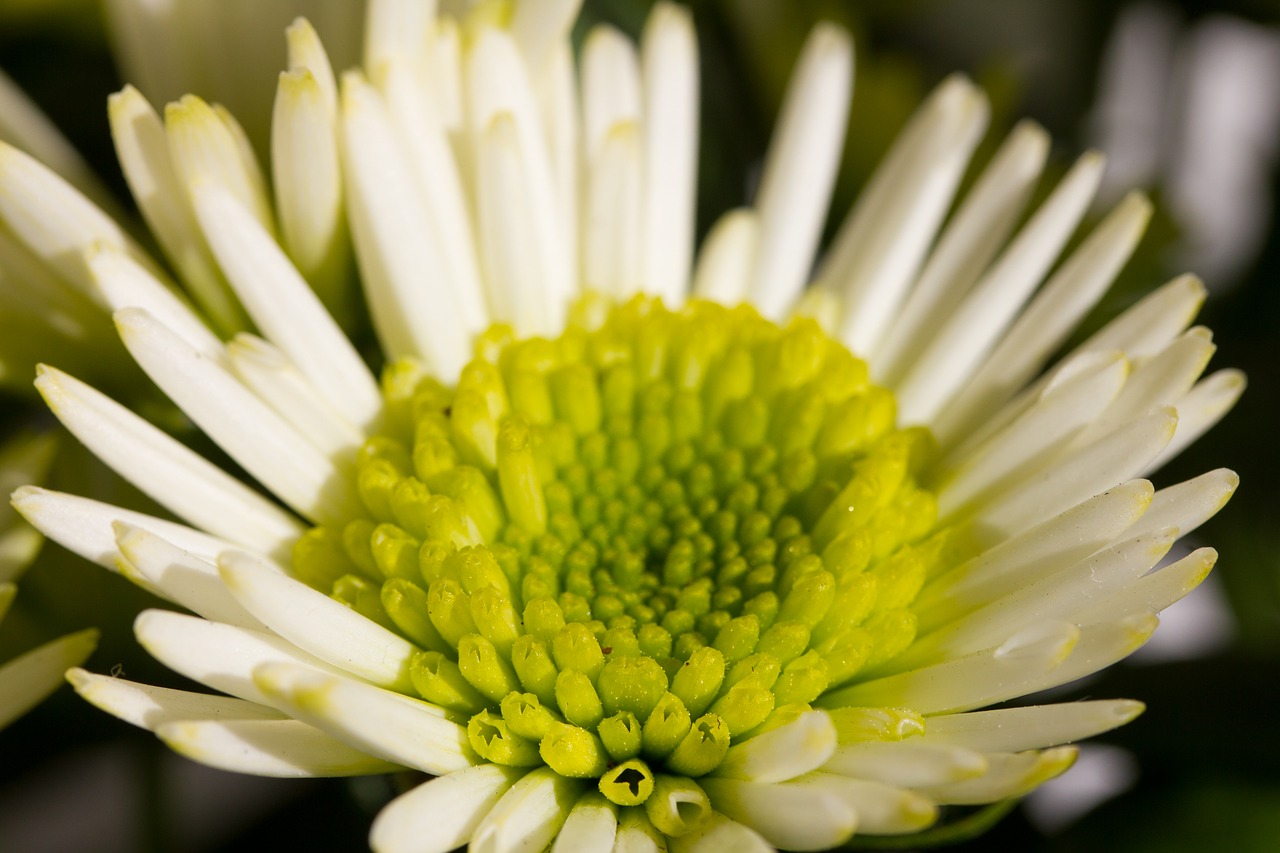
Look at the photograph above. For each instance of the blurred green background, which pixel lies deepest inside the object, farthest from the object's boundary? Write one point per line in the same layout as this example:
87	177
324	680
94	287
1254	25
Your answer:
1198	770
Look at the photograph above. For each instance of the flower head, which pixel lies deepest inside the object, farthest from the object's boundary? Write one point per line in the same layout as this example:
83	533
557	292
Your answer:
731	571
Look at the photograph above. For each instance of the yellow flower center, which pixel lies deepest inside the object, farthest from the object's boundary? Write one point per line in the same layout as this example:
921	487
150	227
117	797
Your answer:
627	549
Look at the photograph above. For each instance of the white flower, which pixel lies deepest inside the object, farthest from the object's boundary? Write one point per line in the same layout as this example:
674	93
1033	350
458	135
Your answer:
612	570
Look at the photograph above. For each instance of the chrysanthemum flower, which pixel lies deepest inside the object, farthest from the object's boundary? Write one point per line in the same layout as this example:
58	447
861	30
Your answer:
619	566
27	679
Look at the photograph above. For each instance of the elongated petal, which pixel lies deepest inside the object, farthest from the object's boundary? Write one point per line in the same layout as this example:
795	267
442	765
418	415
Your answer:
181	480
148	707
178	575
1009	776
244	426
27	679
284	748
669	66
591	825
800	169
442	814
84	527
529	815
784	753
284	307
882	809
1033	727
909	764
789	816
317	623
397	728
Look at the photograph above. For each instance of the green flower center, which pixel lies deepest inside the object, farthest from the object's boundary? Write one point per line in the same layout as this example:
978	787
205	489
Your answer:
625	550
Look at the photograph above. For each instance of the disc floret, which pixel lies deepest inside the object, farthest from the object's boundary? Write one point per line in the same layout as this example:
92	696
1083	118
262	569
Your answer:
628	551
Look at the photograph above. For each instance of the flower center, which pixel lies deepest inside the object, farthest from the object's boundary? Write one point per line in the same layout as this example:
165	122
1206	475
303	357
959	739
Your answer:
628	549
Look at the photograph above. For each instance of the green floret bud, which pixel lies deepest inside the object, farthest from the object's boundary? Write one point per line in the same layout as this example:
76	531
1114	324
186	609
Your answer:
702	749
631	684
621	735
575	647
574	752
493	740
440	681
534	667
666	726
628	784
526	716
698	681
577	699
485	669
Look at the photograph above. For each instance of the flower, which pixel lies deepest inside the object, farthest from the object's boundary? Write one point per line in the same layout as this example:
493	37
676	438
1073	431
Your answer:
26	680
738	571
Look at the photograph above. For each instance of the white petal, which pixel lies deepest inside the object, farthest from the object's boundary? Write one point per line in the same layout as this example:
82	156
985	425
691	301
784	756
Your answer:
218	656
669	66
250	432
307	178
719	833
788	815
954	353
1156	591
307	52
1075	477
881	809
498	84
528	816
1037	553
440	191
274	379
727	258
317	623
968	243
1023	448
441	814
1032	727
591	825
147	706
517	259
636	834
906	764
124	283
611	86
207	146
1161	380
783	753
84	527
414	314
611	216
283	748
1009	776
973	681
27	679
143	151
881	245
179	576
179	479
539	27
1063	595
1201	408
1149	325
397	728
1047	320
800	168
53	220
284	307
1188	505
